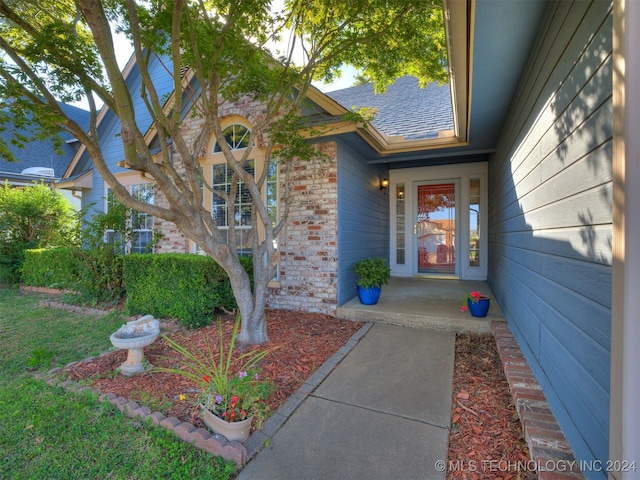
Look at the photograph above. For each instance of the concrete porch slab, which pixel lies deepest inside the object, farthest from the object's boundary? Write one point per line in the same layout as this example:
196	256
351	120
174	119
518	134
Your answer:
425	303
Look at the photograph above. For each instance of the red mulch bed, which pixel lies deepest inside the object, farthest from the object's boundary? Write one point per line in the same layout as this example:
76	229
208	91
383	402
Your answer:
304	341
486	440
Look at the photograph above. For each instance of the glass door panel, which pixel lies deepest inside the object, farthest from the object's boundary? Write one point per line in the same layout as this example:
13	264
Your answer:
436	228
474	222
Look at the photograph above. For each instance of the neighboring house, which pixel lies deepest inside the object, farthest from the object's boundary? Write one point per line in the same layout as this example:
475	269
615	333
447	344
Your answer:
39	160
513	185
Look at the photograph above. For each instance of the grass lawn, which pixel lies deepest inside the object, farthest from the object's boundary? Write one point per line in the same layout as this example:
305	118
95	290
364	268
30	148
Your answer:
46	432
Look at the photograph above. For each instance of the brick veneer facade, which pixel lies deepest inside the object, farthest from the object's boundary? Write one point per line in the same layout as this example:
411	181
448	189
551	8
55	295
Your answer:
307	272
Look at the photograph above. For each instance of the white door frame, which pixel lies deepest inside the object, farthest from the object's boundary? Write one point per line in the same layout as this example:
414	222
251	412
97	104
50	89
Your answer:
402	192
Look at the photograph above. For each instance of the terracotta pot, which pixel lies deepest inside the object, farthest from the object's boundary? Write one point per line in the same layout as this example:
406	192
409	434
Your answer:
234	431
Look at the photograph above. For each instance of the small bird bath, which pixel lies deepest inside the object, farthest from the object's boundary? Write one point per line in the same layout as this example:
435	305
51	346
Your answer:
134	336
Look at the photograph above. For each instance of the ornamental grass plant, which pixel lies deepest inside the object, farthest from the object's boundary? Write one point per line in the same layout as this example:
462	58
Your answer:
233	394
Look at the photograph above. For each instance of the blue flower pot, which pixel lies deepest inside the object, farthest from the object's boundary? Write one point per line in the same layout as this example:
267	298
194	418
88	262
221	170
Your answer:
369	296
479	308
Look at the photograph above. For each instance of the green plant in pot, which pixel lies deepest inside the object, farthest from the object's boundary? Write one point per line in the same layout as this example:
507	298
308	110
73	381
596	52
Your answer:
232	393
372	274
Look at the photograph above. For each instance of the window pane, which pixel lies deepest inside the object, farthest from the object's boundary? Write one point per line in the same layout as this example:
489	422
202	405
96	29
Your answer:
142	223
474	222
237	137
400	224
272	191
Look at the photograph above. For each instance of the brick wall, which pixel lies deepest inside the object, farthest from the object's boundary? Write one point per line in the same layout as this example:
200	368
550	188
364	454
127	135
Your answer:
307	275
309	243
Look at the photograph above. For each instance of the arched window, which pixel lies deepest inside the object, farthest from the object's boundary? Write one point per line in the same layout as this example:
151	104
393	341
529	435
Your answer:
237	137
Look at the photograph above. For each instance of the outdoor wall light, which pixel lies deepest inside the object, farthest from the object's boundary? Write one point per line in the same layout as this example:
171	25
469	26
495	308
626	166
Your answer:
384	183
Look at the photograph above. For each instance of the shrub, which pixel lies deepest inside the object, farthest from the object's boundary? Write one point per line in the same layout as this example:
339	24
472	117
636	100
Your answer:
52	268
100	275
11	259
372	272
96	274
34	216
173	285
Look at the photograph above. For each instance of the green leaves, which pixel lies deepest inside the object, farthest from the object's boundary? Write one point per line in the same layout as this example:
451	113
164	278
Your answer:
224	389
383	39
49	48
372	272
31	217
217	57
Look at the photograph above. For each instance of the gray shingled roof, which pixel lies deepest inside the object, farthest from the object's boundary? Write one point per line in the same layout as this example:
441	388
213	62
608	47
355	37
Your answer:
404	109
40	153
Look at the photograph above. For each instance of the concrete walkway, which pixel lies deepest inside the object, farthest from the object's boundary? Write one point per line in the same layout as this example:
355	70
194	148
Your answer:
382	413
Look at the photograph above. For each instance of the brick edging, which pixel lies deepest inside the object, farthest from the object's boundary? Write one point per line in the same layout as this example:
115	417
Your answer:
199	437
551	453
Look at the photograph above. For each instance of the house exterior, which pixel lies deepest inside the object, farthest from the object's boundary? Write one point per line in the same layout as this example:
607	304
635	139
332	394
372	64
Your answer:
529	180
39	161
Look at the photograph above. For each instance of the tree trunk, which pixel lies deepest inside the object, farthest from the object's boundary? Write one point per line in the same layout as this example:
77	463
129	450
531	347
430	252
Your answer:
253	327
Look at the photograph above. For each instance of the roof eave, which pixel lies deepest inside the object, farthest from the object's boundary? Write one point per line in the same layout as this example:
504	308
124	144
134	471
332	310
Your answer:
458	29
82	181
458	15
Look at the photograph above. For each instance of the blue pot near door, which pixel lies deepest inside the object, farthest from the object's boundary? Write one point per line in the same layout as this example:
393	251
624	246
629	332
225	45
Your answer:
479	308
369	296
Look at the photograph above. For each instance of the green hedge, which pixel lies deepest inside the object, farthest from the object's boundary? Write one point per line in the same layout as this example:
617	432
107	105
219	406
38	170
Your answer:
96	275
176	285
51	268
183	286
100	274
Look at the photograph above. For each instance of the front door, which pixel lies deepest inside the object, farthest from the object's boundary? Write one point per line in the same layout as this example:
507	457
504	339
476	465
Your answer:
438	221
435	228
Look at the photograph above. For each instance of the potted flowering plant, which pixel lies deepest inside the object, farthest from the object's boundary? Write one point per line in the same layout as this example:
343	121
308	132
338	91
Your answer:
231	399
477	303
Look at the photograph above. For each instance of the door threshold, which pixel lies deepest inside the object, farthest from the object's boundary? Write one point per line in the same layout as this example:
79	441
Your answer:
436	276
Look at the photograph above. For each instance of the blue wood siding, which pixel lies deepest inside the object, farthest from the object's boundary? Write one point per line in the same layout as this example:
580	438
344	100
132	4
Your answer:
109	128
550	204
363	216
